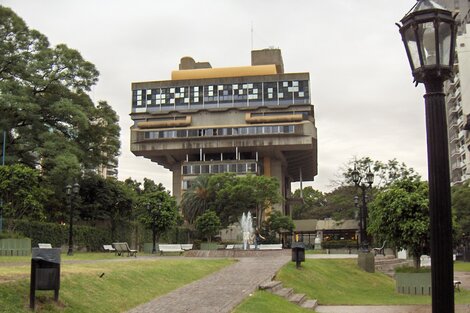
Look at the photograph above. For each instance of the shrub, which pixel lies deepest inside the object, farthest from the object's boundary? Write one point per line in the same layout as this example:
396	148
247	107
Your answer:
339	244
91	238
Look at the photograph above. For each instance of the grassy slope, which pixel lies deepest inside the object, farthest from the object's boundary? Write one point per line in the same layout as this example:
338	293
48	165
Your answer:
342	282
124	285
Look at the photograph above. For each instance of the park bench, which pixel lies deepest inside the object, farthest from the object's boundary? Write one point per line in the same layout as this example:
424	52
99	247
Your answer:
45	245
108	248
229	247
123	247
457	284
187	246
170	248
380	250
274	246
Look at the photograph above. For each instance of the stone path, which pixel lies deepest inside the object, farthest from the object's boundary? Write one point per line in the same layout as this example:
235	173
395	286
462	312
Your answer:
219	292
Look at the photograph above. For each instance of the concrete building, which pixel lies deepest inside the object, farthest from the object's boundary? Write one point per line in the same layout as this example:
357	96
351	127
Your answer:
245	120
458	96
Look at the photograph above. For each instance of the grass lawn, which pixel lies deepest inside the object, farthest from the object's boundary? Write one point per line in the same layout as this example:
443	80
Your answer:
123	286
340	281
265	302
460	266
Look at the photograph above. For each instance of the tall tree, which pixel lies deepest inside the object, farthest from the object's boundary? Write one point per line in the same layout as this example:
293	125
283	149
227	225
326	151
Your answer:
400	215
385	173
195	200
106	199
158	211
49	119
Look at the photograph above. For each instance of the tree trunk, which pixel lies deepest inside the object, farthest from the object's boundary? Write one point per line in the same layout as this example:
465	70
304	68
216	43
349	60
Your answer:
417	262
154	239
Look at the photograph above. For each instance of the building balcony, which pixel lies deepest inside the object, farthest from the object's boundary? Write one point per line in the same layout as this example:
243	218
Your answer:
456	166
457	108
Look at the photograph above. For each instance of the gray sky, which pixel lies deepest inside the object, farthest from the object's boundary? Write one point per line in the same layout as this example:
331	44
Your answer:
361	84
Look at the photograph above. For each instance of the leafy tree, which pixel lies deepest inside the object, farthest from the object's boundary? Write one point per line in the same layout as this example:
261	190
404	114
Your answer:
229	196
22	192
157	210
208	224
385	173
105	200
313	203
276	225
243	194
400	215
49	119
337	204
461	208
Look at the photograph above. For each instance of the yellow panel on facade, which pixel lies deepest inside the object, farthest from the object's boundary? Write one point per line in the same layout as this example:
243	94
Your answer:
239	71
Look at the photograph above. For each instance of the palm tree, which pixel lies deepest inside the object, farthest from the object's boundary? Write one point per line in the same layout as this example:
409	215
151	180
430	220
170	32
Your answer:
194	201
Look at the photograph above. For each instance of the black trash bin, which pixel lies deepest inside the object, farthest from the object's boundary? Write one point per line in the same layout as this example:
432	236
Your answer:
45	272
298	253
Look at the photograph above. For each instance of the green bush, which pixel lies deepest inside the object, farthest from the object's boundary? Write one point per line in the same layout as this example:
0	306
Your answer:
91	238
339	244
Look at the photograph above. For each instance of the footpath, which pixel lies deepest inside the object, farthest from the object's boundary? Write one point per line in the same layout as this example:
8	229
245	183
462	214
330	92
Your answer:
220	292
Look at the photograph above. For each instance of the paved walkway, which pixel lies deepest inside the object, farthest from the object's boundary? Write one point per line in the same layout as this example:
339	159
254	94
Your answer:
219	292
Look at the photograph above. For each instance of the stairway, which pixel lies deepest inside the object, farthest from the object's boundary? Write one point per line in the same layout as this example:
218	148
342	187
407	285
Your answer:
388	264
300	299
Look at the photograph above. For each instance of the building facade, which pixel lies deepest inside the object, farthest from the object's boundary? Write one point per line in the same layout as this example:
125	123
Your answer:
458	96
245	120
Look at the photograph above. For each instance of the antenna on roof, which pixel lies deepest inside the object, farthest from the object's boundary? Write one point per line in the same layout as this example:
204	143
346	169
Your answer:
252	35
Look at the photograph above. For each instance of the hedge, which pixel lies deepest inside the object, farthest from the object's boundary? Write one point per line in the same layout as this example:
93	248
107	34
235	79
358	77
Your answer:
91	238
339	244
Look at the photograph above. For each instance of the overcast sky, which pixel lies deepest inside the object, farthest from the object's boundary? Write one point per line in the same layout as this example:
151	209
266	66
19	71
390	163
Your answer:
361	84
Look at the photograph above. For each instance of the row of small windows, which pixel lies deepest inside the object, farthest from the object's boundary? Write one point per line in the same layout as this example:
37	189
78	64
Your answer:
227	131
278	92
239	168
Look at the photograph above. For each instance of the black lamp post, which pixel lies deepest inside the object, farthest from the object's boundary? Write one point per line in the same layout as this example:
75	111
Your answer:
364	183
69	190
428	32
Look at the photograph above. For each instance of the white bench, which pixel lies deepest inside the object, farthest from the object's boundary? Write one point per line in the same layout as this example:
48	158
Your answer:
169	248
275	246
108	248
186	246
229	247
45	245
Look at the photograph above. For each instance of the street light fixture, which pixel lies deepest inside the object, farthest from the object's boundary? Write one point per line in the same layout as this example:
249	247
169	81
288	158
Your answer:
428	32
364	183
69	190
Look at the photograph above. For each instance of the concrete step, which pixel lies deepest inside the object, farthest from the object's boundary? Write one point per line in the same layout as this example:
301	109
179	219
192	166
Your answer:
271	286
284	292
309	304
297	298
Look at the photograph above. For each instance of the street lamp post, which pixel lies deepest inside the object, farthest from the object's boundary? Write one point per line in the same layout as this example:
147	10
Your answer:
69	190
364	183
428	32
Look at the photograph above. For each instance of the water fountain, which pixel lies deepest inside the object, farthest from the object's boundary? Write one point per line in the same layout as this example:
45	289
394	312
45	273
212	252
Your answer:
246	224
